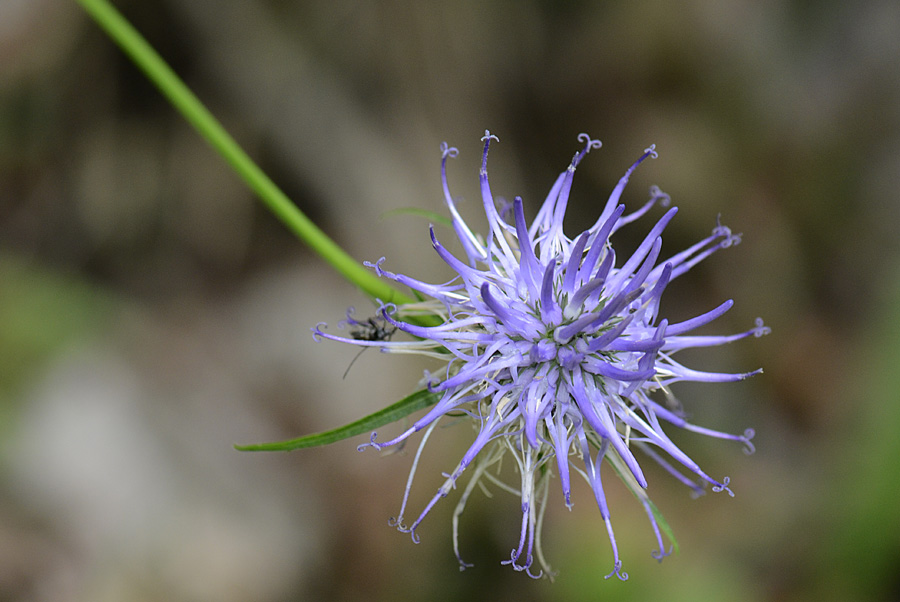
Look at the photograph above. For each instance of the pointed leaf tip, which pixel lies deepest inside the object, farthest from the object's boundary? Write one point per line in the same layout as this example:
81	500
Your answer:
419	400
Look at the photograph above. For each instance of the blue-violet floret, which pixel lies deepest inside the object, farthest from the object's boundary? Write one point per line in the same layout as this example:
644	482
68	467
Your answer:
556	353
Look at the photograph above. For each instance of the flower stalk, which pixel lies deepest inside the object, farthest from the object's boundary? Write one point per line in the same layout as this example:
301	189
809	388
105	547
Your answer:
192	109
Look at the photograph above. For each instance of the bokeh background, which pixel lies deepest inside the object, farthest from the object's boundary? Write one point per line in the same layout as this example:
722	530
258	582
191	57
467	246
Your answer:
152	313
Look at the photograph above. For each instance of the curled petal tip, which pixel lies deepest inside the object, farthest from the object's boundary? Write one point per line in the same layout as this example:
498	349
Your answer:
749	448
489	136
618	572
371	443
411	530
317	331
376	266
723	486
464	565
731	241
724	232
761	329
512	559
349	319
387	310
657	195
662	553
749	374
528	572
448	151
590	143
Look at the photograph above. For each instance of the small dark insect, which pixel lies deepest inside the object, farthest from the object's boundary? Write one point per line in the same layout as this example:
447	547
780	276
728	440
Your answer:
373	329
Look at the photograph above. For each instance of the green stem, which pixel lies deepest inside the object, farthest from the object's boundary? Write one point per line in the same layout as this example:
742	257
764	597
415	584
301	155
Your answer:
157	71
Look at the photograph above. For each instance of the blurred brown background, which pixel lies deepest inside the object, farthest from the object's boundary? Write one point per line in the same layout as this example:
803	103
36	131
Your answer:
152	313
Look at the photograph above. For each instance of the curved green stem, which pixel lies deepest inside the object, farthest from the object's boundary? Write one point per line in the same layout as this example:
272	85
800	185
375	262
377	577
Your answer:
158	72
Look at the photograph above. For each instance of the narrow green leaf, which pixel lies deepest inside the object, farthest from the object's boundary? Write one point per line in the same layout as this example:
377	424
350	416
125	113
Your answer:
406	406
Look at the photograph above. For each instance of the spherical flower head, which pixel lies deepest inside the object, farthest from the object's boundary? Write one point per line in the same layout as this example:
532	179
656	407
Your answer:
556	353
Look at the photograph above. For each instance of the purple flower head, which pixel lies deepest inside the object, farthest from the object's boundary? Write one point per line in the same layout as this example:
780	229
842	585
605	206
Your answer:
555	351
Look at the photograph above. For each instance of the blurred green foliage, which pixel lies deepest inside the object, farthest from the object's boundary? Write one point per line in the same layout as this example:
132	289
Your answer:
42	313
